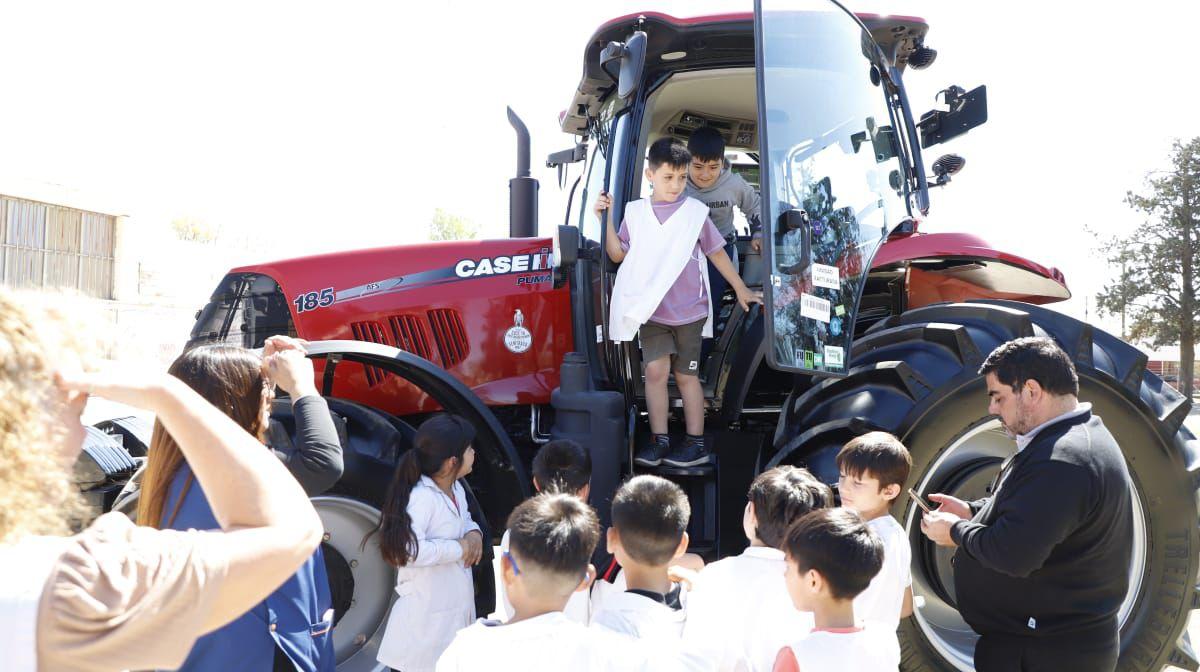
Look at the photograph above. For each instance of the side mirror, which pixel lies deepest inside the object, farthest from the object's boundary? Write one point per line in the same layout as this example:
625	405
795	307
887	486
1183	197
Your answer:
630	58
967	109
562	159
568	246
568	254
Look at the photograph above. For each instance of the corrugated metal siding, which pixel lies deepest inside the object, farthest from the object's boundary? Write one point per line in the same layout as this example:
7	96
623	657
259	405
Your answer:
54	247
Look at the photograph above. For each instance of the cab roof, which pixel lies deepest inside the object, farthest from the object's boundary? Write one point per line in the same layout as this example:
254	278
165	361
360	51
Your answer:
703	42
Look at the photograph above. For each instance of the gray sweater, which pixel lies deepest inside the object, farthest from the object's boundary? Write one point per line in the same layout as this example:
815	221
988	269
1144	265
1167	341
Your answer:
728	191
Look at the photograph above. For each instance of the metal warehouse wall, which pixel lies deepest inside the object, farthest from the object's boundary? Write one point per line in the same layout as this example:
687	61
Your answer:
45	246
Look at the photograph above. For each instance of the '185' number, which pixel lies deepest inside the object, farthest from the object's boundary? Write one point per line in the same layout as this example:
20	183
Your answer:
314	300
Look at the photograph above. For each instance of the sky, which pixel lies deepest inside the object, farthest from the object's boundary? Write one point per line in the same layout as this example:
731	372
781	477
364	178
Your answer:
304	127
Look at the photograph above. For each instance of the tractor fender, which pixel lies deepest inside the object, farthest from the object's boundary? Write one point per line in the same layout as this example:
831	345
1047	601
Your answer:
509	482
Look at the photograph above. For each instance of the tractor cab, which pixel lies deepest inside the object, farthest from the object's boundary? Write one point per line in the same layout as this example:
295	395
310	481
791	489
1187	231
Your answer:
809	100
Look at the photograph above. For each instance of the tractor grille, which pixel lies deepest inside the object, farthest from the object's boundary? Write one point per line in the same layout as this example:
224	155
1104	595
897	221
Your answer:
450	336
410	336
371	332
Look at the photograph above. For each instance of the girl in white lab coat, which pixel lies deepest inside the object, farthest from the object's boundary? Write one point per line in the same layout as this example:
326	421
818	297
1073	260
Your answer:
426	532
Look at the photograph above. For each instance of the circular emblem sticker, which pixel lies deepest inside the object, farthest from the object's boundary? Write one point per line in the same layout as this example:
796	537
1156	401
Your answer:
518	339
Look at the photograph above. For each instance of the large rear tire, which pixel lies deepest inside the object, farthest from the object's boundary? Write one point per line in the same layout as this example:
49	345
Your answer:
914	375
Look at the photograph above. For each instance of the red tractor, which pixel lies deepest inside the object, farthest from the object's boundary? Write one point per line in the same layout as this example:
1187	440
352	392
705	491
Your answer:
868	324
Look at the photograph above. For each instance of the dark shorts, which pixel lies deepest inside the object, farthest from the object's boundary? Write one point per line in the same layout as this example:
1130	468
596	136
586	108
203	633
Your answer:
681	343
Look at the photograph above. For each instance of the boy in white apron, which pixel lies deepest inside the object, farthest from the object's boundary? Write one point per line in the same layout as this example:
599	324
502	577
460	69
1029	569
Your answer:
738	607
831	558
874	468
561	466
649	533
662	296
551	538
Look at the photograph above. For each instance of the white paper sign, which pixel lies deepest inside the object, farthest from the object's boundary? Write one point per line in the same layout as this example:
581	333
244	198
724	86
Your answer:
814	307
825	276
833	357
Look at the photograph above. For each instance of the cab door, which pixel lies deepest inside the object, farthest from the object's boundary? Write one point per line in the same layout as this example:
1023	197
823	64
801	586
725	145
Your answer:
827	154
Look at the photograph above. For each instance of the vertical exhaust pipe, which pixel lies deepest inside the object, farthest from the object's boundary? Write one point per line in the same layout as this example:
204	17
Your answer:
522	189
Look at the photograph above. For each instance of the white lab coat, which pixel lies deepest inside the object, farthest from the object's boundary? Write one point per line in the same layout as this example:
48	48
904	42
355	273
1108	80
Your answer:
552	642
641	617
658	253
435	596
578	605
739	611
882	601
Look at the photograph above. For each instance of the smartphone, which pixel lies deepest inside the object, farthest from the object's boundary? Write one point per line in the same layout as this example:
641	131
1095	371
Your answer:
920	502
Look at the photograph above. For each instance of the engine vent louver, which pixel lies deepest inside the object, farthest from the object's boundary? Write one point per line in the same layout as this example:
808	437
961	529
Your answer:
410	335
371	332
449	335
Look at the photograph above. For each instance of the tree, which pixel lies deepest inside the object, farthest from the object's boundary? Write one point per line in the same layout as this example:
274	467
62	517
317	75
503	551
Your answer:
193	230
446	226
1158	285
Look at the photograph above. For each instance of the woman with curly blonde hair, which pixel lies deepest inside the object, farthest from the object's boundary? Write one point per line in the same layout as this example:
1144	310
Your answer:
116	596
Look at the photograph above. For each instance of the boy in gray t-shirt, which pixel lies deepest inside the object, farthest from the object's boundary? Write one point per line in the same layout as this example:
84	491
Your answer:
711	183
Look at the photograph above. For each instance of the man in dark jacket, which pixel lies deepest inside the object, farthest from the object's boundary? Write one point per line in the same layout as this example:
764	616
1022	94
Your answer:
1042	564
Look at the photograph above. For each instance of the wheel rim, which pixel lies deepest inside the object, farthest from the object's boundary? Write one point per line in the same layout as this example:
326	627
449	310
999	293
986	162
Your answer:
964	470
359	630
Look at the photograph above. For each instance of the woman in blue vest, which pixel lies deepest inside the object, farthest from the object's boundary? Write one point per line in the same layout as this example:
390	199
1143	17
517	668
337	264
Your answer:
292	629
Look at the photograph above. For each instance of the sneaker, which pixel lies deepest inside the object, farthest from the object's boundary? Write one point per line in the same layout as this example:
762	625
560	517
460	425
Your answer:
653	454
689	453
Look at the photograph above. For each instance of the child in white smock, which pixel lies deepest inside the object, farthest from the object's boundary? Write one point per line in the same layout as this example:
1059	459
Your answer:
426	532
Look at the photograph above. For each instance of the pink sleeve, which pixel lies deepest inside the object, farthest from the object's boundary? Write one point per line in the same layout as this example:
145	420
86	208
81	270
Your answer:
786	661
623	235
710	238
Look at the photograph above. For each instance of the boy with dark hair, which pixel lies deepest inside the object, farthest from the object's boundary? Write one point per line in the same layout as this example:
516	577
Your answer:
872	471
738	609
561	466
711	182
662	297
551	538
831	557
649	531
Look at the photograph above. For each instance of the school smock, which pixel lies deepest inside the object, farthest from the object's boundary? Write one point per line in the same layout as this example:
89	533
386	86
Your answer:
552	643
297	618
637	615
577	608
870	646
435	596
884	598
658	253
739	611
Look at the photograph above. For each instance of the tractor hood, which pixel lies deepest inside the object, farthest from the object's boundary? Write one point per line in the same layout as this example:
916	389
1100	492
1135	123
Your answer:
960	266
703	42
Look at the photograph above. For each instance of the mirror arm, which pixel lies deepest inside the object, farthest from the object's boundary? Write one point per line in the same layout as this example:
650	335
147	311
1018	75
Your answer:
918	165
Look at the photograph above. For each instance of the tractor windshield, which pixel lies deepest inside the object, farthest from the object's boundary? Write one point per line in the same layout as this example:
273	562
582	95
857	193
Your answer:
830	178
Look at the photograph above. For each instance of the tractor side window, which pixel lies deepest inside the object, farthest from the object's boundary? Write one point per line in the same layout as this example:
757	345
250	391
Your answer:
244	310
589	224
603	130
